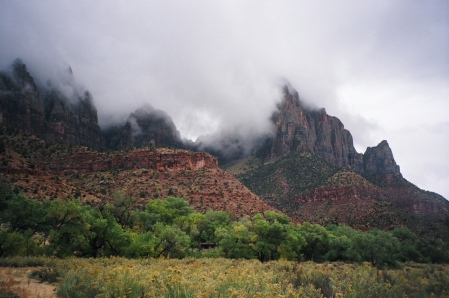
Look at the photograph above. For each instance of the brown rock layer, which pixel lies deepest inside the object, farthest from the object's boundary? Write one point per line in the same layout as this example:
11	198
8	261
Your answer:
160	160
44	172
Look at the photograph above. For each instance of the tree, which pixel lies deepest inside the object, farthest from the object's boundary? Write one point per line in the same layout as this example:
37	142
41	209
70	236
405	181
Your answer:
270	236
377	247
213	221
11	243
271	231
408	250
107	235
22	214
193	225
341	243
123	209
164	211
169	241
141	245
70	230
234	241
317	241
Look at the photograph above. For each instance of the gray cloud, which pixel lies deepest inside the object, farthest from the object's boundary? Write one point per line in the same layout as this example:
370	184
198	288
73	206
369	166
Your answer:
380	66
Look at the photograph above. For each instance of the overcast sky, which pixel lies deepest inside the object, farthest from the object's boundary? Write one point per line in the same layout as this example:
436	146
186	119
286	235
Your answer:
382	67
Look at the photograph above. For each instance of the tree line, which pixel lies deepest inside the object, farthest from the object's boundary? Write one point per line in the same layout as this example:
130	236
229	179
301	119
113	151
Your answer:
170	228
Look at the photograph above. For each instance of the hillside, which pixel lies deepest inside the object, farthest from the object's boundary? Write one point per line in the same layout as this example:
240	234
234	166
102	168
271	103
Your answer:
44	171
284	177
308	189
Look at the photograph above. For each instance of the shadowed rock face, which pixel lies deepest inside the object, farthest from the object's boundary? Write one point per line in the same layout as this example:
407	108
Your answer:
146	127
380	159
47	113
21	105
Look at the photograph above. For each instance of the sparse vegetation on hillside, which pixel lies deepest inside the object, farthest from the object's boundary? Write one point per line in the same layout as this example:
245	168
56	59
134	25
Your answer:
204	188
285	177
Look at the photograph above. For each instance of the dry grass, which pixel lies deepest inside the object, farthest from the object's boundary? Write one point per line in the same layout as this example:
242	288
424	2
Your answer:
118	277
14	282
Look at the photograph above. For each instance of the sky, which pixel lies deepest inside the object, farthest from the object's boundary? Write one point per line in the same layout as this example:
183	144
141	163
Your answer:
380	66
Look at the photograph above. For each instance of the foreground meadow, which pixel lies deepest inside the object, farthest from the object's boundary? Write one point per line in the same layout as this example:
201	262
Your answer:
120	277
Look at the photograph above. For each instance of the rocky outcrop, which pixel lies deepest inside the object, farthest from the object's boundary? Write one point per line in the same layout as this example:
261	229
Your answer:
146	127
72	123
47	113
21	105
68	172
379	160
408	197
161	160
299	128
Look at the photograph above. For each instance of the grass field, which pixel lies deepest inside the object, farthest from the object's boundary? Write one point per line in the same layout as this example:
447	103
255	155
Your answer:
119	277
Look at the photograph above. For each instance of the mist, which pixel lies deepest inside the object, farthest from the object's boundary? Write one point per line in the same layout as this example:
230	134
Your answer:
216	67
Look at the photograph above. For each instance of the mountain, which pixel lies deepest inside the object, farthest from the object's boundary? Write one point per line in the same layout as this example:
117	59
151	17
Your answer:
307	168
379	160
146	127
306	188
47	112
298	127
310	170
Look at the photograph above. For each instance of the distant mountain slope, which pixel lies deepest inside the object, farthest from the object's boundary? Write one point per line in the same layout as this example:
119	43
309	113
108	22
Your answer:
306	188
286	176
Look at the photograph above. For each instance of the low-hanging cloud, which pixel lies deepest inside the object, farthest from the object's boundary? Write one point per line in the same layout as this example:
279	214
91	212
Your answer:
216	66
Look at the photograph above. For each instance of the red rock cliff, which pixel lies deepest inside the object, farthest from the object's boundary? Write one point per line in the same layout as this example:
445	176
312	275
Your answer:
159	159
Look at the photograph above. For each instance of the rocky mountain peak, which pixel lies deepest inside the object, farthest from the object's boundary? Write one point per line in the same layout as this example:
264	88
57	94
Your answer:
146	127
298	127
48	114
380	160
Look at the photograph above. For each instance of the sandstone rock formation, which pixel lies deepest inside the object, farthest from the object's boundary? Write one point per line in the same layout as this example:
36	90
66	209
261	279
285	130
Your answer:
146	127
161	160
41	171
21	105
47	113
300	128
379	159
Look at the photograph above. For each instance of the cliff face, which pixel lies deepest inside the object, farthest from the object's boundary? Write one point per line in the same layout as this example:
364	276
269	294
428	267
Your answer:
161	160
47	113
298	128
379	159
146	127
21	105
72	123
